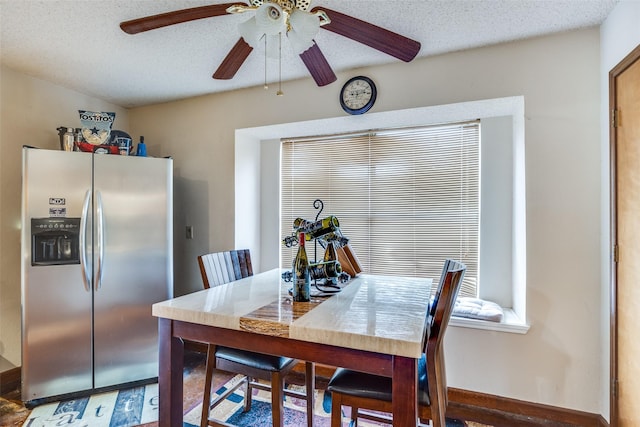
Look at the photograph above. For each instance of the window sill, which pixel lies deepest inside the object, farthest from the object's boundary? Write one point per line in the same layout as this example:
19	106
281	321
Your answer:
510	323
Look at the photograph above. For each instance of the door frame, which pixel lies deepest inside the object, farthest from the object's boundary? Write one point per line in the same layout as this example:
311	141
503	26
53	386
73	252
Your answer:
622	66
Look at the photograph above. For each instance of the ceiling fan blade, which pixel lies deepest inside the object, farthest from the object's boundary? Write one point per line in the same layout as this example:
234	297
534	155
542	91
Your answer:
176	17
373	36
233	61
318	66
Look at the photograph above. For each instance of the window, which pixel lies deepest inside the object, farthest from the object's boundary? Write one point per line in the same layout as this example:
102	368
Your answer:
406	198
503	244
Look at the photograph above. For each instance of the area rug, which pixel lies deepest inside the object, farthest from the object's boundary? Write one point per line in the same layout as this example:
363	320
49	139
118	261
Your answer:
123	408
139	406
231	410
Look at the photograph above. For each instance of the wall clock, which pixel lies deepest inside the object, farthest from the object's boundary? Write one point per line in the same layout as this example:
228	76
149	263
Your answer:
358	95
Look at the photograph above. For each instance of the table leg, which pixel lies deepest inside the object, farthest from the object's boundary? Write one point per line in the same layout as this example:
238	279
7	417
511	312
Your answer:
404	392
310	382
170	386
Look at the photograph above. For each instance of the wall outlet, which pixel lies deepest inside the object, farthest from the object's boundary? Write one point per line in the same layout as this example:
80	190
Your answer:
189	232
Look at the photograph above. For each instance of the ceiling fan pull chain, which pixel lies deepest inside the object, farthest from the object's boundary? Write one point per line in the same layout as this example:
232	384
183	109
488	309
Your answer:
266	86
279	92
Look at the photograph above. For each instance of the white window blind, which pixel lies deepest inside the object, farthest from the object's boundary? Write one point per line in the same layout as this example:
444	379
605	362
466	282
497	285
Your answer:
406	198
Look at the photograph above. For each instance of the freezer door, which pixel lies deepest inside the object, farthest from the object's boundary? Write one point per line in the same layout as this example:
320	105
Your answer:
134	264
56	303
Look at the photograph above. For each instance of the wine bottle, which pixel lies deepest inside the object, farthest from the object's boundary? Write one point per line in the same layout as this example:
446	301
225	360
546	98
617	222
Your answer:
301	276
325	270
301	223
335	237
316	229
330	252
331	266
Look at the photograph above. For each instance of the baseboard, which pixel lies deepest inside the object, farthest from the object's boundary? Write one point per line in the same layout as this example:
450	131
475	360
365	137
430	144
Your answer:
10	380
505	412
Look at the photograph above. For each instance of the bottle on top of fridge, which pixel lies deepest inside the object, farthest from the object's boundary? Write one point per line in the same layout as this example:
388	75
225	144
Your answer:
142	148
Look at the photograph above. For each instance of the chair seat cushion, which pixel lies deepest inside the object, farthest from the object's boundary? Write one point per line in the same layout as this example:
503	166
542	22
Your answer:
476	308
354	383
265	362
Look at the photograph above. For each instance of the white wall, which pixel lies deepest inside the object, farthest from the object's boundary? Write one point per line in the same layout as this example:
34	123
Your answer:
619	35
497	237
559	361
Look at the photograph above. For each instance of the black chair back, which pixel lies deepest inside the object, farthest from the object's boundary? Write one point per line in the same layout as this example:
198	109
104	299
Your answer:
438	318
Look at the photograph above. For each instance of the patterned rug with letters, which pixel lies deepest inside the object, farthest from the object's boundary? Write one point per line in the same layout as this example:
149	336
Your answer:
123	408
138	406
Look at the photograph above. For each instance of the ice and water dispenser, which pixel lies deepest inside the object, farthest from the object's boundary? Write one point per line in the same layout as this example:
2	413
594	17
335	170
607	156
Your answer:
55	241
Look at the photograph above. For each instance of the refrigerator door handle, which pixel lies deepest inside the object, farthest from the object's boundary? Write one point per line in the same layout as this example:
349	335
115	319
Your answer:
83	240
100	229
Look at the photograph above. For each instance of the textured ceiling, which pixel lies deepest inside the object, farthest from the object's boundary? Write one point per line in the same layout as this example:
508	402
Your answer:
78	43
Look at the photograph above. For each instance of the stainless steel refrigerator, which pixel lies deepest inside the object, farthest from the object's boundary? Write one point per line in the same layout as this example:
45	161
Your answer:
97	247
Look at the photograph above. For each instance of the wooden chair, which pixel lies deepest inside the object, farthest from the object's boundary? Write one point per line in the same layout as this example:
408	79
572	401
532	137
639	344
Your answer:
220	268
373	392
224	267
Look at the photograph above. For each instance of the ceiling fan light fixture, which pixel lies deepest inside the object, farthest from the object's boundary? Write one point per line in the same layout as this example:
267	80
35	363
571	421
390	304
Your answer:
250	33
277	14
304	28
298	42
271	19
305	23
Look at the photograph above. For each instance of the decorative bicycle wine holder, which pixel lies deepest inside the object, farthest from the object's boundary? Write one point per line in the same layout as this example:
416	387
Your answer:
325	274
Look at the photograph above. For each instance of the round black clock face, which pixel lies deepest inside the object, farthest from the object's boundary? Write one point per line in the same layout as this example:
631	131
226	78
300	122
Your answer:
358	95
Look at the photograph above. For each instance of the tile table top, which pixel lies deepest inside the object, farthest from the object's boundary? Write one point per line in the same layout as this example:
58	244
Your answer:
374	313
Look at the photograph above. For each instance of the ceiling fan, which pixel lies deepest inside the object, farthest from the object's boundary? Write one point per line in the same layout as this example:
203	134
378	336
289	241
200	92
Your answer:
293	18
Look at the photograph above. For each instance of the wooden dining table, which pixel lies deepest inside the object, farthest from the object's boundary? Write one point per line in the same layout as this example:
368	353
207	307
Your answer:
375	324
